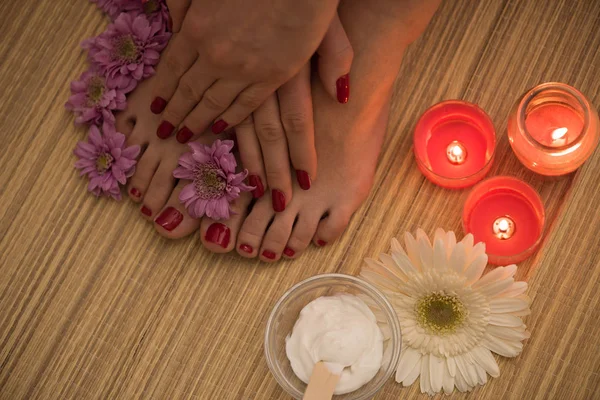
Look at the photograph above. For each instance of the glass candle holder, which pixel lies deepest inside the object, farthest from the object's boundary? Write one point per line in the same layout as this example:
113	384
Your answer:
454	144
508	216
553	129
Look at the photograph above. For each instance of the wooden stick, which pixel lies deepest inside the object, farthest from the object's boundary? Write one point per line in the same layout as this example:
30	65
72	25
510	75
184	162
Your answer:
321	383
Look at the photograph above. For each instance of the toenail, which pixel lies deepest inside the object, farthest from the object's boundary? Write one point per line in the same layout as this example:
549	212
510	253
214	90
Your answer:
342	86
165	129
146	211
289	252
219	127
303	179
135	192
184	135
269	254
158	105
321	242
169	219
218	234
246	248
254	180
278	199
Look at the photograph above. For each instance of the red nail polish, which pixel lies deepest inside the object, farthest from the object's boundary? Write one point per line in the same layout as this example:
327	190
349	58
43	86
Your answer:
135	192
169	219
146	211
165	129
321	242
170	24
303	179
278	199
342	86
184	135
219	127
269	254
158	105
246	248
259	189
218	234
289	252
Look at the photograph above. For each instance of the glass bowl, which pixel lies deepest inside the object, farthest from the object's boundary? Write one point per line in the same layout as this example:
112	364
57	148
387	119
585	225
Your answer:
286	312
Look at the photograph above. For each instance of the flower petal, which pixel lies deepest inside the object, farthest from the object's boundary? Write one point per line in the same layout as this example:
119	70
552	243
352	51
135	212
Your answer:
475	269
412	375
439	255
408	359
412	249
501	347
516	289
505	320
425	253
436	372
484	358
424	381
496	274
458	258
507	305
448	381
508	333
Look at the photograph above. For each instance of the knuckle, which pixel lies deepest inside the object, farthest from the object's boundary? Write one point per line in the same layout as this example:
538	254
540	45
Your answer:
296	123
250	100
276	177
269	132
187	89
173	66
213	102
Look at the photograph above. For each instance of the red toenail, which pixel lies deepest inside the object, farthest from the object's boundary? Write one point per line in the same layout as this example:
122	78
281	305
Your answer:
278	199
246	248
135	192
165	129
184	135
289	252
169	219
321	242
158	105
259	189
218	234
146	211
303	179
269	254
219	127
342	86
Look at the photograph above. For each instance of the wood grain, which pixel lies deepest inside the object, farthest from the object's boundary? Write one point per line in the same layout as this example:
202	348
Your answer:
94	304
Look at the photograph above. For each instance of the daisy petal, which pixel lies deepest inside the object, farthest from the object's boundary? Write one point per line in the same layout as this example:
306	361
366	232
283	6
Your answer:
425	253
436	372
412	250
412	375
424	381
439	255
484	358
496	274
505	320
502	347
516	289
451	366
475	269
507	305
408	359
458	258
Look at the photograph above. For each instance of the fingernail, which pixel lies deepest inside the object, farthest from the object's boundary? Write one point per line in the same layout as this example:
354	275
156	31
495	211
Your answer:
219	234
158	105
269	254
184	135
259	189
170	24
321	242
342	86
165	129
303	179
169	218
218	127
289	252
278	200
135	192
246	248
146	211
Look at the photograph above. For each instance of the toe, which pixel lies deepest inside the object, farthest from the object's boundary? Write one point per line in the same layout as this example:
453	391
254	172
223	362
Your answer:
302	234
144	171
125	122
277	237
254	227
160	188
331	227
173	221
219	236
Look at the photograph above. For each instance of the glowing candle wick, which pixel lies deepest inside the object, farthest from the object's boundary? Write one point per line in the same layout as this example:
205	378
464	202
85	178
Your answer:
456	152
558	136
504	228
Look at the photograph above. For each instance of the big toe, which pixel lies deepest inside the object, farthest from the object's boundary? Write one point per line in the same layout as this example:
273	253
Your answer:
173	221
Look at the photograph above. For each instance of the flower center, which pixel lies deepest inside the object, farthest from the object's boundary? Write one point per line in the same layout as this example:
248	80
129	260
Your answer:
104	162
207	181
440	314
95	90
150	7
125	49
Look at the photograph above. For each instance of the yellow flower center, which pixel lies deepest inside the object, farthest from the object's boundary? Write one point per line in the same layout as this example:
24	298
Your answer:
95	90
125	49
208	183
440	314
150	7
104	162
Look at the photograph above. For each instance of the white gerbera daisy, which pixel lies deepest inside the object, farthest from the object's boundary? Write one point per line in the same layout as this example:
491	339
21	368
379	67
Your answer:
452	317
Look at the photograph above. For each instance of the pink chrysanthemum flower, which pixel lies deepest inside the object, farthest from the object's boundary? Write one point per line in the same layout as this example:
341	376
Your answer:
106	161
92	101
111	7
155	10
214	183
128	50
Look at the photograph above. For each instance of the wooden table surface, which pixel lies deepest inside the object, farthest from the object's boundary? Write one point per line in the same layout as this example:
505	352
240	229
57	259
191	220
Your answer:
94	304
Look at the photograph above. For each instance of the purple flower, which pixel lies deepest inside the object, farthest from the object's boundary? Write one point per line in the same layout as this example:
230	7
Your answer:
128	50
155	10
214	183
92	101
106	161
112	7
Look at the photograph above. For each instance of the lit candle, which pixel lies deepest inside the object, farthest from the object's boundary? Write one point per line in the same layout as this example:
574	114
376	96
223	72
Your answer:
508	216
553	129
454	144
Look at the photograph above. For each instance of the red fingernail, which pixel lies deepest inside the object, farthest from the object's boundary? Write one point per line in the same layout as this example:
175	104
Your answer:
170	24
184	135
146	211
303	179
259	189
321	242
169	218
269	254
278	200
246	248
135	192
218	234
219	127
342	86
289	252
165	129
158	105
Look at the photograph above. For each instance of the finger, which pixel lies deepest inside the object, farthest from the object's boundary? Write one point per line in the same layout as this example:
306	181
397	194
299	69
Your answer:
251	156
335	60
295	106
214	101
175	61
177	11
245	104
275	152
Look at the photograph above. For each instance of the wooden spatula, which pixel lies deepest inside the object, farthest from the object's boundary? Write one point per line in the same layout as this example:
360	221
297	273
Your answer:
322	381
